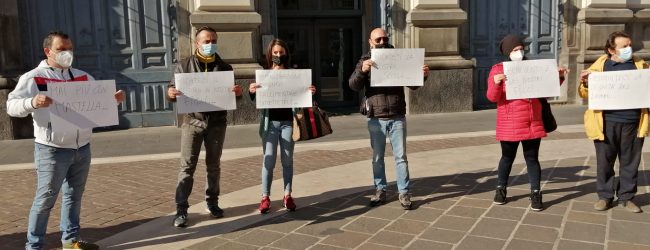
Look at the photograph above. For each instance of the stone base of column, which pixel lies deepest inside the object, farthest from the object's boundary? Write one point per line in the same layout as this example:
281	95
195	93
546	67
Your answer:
12	128
446	90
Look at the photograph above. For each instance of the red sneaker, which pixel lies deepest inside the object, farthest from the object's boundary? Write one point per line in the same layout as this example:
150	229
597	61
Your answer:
289	204
265	205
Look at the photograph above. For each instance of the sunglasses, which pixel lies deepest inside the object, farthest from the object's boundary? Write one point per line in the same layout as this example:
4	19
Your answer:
379	39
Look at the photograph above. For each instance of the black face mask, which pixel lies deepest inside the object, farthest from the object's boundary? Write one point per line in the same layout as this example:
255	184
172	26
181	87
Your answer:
384	46
280	60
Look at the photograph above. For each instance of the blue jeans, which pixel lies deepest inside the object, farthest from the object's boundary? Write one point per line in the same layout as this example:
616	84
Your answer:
57	169
395	129
279	132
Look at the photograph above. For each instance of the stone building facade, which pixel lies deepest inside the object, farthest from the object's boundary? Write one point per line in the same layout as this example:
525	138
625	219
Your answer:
138	42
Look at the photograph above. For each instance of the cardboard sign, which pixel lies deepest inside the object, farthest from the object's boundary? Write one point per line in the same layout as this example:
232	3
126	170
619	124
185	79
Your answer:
625	89
288	88
86	104
205	91
531	79
397	67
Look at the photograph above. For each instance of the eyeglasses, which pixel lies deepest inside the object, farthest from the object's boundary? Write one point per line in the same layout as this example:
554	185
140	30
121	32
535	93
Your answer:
379	39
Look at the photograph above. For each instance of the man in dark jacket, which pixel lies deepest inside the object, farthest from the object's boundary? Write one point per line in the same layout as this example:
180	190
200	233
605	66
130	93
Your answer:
385	108
204	127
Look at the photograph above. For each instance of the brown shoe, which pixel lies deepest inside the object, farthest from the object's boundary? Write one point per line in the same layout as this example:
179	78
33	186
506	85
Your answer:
630	206
602	205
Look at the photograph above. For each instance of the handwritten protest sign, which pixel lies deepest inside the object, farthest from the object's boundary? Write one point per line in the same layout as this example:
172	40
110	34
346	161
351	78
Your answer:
397	67
531	79
626	89
205	91
283	88
86	104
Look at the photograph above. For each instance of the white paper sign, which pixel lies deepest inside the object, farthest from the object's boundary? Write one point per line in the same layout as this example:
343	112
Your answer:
86	104
397	67
205	91
626	89
531	79
288	88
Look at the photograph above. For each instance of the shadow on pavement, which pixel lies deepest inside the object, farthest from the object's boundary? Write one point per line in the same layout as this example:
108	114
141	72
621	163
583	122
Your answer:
426	191
353	202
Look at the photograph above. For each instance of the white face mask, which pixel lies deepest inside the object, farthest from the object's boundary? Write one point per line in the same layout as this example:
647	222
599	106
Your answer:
64	58
517	55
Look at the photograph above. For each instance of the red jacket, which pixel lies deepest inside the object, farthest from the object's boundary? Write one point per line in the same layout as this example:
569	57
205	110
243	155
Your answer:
517	120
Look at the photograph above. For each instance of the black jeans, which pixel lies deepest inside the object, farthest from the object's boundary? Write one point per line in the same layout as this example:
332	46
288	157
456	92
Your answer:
620	140
531	154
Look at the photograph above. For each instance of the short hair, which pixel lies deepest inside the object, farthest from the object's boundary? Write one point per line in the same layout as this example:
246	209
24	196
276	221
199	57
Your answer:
204	28
611	41
47	42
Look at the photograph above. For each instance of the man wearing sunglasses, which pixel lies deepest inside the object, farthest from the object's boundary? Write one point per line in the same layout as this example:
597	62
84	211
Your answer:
385	108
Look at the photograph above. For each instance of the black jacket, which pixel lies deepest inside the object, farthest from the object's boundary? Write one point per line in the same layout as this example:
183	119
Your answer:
192	65
379	102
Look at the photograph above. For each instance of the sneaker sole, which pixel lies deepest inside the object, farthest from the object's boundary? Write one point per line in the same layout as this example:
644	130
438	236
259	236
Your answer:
498	203
212	215
180	225
536	209
265	211
601	209
376	203
636	211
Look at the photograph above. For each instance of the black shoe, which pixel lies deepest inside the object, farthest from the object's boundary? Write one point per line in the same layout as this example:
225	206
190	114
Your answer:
536	200
215	211
379	198
500	196
180	220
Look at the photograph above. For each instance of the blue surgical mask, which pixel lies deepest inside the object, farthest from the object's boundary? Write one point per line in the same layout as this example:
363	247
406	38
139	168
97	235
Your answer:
208	49
625	53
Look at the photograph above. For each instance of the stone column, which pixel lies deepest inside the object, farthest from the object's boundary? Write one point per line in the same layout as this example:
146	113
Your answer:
434	25
238	27
10	69
640	28
596	20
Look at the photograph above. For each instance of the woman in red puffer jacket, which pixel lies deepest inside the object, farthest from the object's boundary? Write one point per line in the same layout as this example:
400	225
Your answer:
518	120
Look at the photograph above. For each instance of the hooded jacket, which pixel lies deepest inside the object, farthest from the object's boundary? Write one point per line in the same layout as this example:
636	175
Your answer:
19	104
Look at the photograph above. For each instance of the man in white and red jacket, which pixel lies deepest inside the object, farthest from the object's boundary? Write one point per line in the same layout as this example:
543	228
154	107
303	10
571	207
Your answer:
62	157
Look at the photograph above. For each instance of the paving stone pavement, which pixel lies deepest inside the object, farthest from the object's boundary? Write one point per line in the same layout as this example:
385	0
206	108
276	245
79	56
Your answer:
452	211
124	195
456	212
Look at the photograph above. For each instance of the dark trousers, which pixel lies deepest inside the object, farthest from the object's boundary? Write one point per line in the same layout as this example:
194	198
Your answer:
531	155
620	140
191	139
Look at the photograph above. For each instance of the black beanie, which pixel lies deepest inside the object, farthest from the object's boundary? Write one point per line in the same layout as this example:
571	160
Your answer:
508	43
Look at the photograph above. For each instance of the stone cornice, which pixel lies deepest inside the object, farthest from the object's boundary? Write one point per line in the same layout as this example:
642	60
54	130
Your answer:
599	15
448	62
642	15
245	70
436	17
227	20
